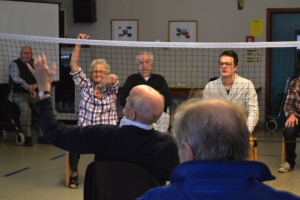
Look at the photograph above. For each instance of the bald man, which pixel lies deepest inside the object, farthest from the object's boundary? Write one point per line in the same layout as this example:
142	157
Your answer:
134	141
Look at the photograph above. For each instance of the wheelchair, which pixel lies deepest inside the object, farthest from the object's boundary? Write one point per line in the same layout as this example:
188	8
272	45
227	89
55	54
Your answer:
9	121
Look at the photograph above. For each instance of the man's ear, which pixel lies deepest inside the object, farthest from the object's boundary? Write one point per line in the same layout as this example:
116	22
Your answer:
189	151
236	68
132	115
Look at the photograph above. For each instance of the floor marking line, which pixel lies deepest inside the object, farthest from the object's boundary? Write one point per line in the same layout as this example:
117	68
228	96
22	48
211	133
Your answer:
57	157
7	175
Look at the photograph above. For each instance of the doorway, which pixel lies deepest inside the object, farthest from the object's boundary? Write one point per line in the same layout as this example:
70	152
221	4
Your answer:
281	26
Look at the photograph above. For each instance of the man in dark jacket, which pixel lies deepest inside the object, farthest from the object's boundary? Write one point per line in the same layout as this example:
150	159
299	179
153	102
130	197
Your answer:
156	81
134	141
213	142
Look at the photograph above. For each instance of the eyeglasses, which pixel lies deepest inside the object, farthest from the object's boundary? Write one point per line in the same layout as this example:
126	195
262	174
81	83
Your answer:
99	72
26	53
226	64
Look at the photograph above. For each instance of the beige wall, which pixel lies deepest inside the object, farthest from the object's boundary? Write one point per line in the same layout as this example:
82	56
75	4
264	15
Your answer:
218	20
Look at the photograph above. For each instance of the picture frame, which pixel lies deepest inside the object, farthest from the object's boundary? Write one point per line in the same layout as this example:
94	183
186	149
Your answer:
183	31
125	29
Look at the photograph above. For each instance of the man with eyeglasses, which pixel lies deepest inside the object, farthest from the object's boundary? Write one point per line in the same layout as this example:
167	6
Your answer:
23	91
232	87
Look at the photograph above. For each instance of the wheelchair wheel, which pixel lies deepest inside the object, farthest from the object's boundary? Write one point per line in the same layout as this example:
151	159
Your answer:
271	125
20	138
3	135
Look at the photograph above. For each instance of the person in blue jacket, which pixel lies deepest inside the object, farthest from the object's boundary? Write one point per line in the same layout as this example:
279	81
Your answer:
213	143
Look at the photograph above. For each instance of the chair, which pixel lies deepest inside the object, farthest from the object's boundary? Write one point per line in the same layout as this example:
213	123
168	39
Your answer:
283	146
253	149
12	113
111	180
163	123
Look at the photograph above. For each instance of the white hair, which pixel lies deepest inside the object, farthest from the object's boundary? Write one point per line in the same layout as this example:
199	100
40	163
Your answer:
102	62
144	53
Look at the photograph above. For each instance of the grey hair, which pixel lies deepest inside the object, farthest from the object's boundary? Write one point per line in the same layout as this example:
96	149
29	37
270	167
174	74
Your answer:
102	62
144	53
215	129
143	107
26	47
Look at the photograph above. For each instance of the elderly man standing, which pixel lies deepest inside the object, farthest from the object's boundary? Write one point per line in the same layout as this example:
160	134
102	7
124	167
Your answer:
24	91
134	141
230	86
156	81
213	142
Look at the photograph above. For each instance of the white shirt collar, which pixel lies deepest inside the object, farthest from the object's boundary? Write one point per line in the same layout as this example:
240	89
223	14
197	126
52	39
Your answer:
126	122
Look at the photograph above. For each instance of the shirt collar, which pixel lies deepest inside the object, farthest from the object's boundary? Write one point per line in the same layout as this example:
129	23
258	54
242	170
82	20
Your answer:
202	173
25	63
146	79
126	122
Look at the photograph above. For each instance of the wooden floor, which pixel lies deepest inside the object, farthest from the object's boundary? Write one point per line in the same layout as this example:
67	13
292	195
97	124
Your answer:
38	172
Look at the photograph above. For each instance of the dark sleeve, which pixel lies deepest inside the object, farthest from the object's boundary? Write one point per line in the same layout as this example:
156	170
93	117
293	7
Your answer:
76	139
175	159
165	91
128	85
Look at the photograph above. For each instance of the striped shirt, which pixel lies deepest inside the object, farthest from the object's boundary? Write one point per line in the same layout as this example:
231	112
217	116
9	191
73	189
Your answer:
92	110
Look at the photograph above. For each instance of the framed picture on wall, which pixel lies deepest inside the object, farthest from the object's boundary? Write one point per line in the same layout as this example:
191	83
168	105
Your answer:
183	31
125	29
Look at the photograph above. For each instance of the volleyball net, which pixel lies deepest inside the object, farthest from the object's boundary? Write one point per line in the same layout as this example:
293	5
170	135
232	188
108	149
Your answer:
186	67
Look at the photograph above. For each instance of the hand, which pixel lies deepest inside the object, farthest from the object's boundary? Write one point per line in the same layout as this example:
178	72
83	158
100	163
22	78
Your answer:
33	94
100	85
34	86
83	36
31	88
290	122
97	93
42	73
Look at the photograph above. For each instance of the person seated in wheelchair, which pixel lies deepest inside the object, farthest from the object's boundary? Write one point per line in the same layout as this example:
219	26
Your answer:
292	126
24	91
230	86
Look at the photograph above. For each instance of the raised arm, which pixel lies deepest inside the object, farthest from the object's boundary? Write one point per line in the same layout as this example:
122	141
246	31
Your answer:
75	54
111	79
42	73
57	133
